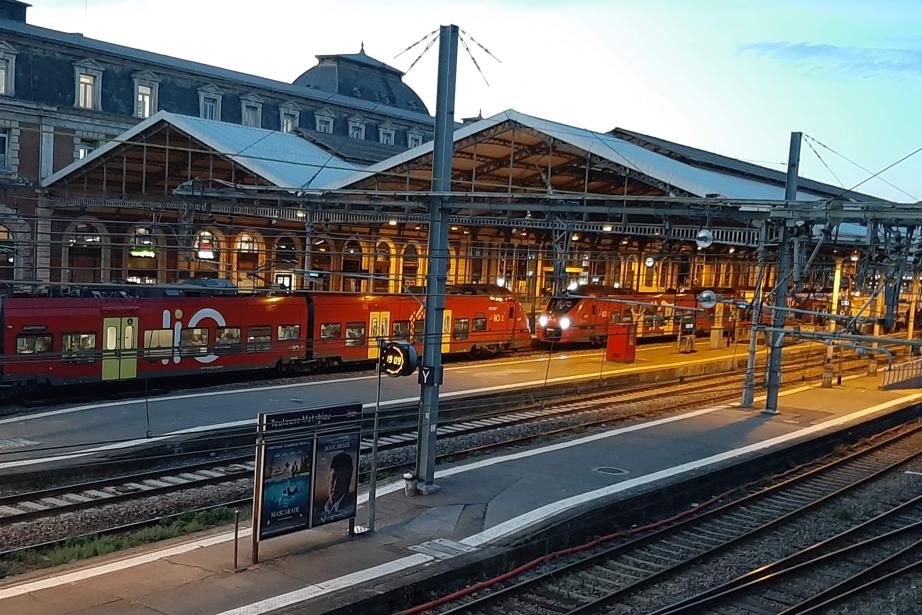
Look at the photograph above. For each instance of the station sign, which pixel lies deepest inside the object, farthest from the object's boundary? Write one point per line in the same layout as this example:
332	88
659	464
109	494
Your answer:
398	359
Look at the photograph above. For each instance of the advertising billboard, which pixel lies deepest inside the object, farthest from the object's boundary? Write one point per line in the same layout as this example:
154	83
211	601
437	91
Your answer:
335	478
286	488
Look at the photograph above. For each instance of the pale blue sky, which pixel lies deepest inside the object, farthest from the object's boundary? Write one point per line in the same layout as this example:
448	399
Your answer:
733	77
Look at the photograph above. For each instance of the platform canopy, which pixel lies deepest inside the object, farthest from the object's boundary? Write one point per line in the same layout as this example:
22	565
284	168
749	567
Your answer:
168	149
515	152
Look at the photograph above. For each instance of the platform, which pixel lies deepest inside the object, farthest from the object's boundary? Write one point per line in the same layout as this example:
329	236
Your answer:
60	435
482	504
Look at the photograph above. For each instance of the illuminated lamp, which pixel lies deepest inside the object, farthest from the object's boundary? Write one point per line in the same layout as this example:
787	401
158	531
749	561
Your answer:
564	323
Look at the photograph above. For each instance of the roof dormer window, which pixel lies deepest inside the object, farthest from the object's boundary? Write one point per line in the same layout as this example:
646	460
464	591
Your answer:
357	128
209	103
387	134
251	110
88	85
7	69
146	89
289	116
324	121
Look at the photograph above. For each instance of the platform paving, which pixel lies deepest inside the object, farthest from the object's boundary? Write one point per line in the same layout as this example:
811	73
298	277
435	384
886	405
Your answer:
480	503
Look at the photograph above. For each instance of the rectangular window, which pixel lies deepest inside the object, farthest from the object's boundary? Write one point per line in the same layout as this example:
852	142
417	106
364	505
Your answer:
84	148
331	330
402	329
386	135
158	343
414	140
324	124
289	332
419	331
193	342
251	115
33	344
4	149
78	346
357	131
87	91
259	339
227	340
145	101
461	329
4	74
355	334
209	108
480	323
289	121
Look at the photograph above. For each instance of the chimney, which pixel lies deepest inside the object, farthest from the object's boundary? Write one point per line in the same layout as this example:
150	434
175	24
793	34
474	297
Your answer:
13	10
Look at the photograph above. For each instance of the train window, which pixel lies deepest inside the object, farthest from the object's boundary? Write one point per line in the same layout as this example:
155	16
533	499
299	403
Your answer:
511	312
593	309
259	339
289	332
402	329
128	341
461	329
193	342
33	344
158	343
111	338
79	346
480	323
331	330
227	340
355	334
616	316
419	331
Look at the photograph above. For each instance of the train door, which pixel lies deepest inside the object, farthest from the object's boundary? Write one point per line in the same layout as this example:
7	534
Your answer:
378	328
119	348
446	331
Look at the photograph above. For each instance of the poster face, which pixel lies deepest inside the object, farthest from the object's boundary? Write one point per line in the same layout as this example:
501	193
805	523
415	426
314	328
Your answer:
335	478
286	488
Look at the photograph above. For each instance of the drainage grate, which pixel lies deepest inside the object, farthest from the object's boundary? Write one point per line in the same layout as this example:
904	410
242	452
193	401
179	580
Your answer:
612	471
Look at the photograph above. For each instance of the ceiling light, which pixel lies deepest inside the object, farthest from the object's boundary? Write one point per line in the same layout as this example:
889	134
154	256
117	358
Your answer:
607	228
392	222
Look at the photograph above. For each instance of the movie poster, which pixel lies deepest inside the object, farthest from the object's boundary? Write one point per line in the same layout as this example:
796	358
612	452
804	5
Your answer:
335	478
286	488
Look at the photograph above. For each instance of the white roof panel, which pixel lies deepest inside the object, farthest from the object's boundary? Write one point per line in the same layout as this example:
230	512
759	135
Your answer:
284	159
694	180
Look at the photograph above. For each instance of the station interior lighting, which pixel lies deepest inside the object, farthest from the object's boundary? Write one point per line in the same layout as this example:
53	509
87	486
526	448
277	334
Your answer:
501	281
607	228
616	285
454	228
300	213
854	257
564	323
732	249
649	261
574	237
392	222
624	241
573	285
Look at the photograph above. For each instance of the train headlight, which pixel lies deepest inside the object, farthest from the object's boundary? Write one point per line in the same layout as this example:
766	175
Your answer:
564	323
542	320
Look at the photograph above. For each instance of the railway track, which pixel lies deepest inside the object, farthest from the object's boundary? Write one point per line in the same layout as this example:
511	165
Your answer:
615	578
47	502
816	577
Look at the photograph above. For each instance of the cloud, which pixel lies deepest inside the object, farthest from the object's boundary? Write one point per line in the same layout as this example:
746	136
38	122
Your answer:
860	61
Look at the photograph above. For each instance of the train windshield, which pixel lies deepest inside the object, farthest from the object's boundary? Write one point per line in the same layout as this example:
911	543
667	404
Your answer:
561	306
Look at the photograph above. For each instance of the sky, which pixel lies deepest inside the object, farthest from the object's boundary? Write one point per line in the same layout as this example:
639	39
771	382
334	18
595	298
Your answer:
734	77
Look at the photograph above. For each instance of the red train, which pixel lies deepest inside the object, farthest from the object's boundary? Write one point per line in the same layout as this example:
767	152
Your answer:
583	315
63	340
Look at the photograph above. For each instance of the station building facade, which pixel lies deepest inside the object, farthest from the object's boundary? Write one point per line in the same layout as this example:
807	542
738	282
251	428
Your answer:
124	165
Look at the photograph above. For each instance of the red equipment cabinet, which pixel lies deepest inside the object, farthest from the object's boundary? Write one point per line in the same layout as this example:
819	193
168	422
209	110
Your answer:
622	343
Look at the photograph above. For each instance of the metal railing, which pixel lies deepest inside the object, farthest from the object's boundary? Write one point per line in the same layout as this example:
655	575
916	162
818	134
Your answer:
902	372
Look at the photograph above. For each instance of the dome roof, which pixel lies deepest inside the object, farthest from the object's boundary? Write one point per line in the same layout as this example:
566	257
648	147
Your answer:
358	75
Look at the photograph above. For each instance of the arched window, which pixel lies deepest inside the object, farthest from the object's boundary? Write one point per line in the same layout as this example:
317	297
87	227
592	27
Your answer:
141	265
286	252
410	266
206	247
352	264
321	254
247	259
85	253
382	268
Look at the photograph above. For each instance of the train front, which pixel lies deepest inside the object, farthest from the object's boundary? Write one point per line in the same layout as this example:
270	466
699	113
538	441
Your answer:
556	323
